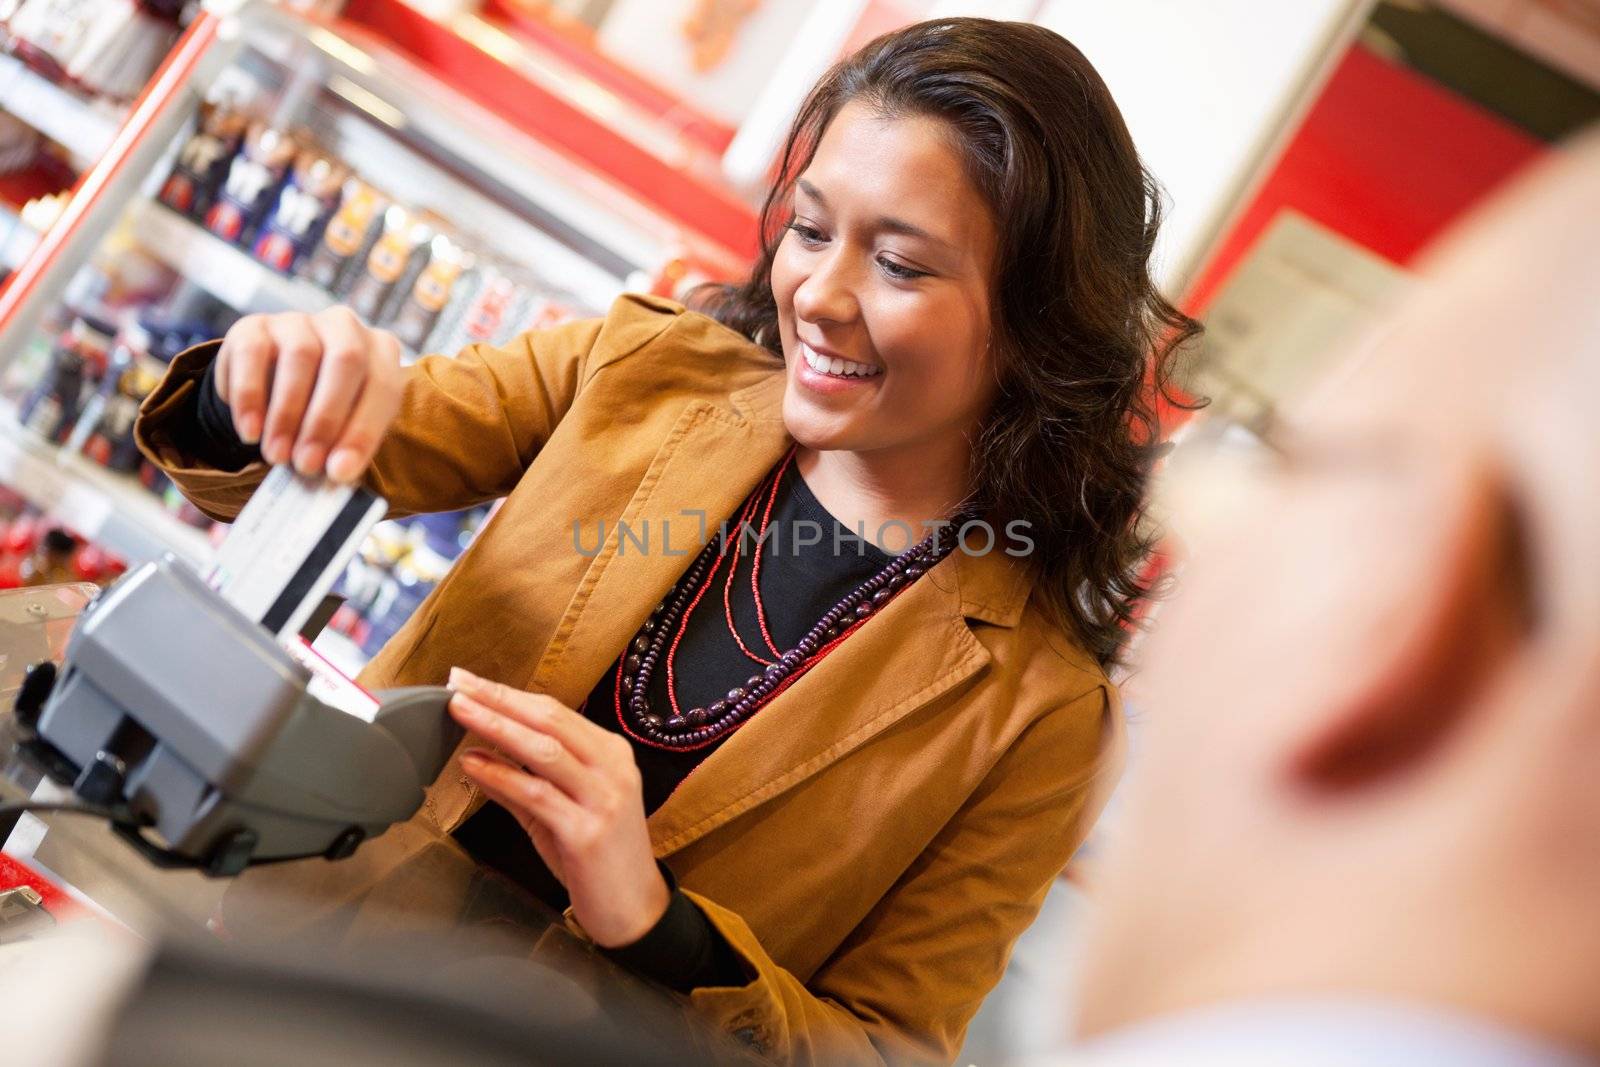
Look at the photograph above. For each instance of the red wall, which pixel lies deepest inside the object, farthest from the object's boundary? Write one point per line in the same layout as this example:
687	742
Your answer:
1386	157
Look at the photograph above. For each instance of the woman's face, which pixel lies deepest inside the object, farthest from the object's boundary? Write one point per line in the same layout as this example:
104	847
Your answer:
887	266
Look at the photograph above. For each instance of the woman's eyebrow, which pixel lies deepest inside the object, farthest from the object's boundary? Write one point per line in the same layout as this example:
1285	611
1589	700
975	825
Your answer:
886	222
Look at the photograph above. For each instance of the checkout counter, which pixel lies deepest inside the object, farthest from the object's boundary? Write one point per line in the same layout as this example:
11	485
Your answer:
128	931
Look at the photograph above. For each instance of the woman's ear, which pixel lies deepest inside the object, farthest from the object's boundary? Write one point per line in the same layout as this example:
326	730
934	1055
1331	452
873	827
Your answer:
1458	604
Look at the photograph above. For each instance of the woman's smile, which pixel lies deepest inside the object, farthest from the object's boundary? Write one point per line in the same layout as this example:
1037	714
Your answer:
822	372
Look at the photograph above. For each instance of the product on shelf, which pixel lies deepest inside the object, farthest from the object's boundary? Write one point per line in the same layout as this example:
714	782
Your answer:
17	544
307	200
348	237
35	551
93	564
252	183
51	407
203	161
398	566
19	144
488	309
396	265
420	310
105	429
108	47
392	261
41	213
51	561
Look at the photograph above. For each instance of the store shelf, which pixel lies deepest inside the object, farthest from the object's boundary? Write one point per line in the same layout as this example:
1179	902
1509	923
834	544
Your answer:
223	270
108	508
637	154
80	126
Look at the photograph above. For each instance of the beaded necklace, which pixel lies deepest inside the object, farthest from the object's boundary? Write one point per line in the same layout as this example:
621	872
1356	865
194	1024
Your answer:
655	645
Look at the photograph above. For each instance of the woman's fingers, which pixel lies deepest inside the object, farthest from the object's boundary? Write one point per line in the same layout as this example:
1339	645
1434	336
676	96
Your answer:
298	352
537	711
375	407
244	367
541	753
578	796
529	798
341	374
318	391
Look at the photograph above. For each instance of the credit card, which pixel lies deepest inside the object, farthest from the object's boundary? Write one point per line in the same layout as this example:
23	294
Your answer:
289	545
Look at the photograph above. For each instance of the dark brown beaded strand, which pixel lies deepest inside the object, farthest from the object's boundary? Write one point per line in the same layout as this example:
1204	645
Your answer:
699	727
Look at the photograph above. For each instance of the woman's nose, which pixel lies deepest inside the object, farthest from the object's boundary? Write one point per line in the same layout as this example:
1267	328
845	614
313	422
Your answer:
828	293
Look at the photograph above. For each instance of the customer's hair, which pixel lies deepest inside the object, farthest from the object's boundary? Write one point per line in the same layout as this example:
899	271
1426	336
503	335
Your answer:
1082	339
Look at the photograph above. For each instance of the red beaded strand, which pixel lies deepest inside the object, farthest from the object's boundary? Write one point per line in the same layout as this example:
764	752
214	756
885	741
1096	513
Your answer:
755	567
687	731
727	586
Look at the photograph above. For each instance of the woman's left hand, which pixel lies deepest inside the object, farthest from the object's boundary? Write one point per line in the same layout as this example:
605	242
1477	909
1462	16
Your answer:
575	789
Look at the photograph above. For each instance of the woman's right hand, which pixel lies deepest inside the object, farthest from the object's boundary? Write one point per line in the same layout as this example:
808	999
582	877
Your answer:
318	390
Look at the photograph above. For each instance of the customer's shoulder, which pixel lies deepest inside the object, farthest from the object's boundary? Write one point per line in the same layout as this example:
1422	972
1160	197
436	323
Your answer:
1053	668
640	322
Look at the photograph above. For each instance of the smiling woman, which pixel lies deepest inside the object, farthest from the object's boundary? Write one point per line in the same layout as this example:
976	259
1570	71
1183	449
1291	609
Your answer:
960	209
817	786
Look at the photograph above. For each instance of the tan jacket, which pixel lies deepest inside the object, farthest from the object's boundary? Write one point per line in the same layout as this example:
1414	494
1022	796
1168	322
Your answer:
874	840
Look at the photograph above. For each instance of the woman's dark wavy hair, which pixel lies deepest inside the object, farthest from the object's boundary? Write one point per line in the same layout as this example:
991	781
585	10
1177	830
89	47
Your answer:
1082	340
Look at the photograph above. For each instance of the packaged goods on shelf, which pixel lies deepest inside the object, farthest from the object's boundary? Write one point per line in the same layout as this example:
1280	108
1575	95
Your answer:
104	431
492	306
398	566
351	232
109	47
398	266
50	409
418	313
291	169
253	178
203	162
304	204
19	143
36	551
397	255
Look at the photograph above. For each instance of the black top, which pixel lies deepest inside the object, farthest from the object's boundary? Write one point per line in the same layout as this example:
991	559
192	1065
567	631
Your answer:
799	582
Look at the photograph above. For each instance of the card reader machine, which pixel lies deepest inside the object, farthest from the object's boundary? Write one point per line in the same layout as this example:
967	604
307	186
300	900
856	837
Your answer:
184	719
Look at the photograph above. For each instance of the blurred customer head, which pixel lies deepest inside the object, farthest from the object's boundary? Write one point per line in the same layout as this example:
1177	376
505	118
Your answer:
1373	763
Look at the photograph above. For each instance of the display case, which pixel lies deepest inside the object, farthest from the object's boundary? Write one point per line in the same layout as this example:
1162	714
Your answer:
279	162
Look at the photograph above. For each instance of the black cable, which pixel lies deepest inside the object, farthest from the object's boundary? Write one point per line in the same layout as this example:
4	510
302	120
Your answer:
42	806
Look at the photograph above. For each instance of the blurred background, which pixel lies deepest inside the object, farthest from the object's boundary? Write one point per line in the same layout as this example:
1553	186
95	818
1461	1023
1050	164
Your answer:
464	170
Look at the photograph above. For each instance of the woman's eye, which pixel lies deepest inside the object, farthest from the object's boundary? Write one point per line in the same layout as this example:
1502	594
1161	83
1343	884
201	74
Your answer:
900	271
808	235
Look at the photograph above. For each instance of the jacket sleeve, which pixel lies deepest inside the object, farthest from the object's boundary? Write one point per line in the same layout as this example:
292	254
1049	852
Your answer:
905	985
468	424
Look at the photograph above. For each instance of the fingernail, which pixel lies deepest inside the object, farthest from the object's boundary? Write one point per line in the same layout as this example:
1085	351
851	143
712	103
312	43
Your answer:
276	450
249	428
463	679
344	465
307	459
472	758
465	707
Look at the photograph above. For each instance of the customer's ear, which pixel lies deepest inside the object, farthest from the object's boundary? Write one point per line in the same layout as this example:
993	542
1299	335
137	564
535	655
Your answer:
1463	607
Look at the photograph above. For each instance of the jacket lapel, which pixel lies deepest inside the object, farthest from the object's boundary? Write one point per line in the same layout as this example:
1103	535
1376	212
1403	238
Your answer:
709	462
918	648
